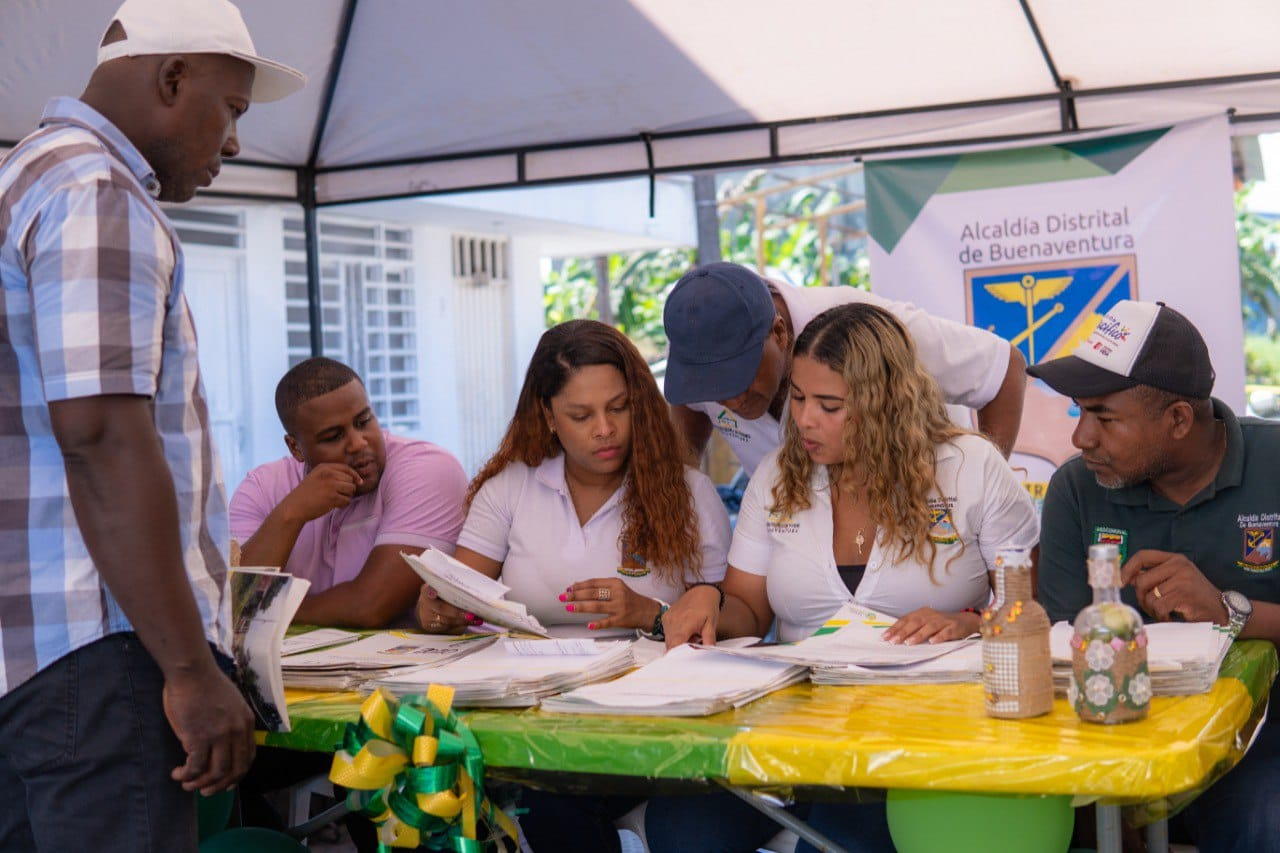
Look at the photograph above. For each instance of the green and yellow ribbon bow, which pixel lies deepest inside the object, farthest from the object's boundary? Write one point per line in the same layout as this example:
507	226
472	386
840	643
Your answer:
415	769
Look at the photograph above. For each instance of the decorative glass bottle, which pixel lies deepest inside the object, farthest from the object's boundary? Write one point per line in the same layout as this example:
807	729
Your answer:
1017	670
1109	678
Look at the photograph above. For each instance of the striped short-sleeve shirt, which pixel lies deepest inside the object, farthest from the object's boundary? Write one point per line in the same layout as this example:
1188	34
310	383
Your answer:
91	303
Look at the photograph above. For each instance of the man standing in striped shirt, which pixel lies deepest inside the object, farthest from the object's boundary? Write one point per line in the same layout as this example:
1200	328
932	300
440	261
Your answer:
113	524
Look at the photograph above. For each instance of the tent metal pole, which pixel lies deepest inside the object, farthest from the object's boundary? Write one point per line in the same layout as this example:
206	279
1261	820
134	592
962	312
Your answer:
1066	101
653	177
307	183
311	228
331	83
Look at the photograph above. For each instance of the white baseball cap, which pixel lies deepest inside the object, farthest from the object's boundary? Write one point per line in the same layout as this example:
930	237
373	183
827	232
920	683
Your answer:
162	27
1134	343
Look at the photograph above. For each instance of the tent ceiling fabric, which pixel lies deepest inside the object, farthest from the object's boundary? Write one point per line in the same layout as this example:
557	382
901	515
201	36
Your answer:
462	94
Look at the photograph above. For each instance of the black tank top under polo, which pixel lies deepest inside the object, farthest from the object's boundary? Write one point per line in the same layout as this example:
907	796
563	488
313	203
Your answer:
852	575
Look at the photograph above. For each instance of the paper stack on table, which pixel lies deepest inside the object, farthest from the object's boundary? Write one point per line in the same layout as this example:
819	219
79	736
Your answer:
349	666
961	666
853	636
464	587
1182	657
685	682
517	673
320	638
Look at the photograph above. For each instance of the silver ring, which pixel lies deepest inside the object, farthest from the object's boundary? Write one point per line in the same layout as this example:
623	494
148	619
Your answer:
602	594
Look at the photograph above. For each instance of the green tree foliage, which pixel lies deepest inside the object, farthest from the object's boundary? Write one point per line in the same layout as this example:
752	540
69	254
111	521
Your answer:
639	281
793	243
1259	292
638	287
793	247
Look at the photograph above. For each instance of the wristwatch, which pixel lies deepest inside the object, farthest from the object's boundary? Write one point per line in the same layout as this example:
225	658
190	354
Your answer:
1239	609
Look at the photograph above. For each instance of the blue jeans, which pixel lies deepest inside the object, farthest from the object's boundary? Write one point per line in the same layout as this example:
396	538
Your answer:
1241	812
86	746
722	823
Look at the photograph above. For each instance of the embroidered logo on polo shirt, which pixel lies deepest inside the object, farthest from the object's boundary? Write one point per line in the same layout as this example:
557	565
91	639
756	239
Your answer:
633	566
1259	550
1258	541
1113	536
781	522
942	528
728	426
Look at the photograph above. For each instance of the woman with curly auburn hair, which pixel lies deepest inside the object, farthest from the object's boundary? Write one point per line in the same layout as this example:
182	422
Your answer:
589	515
875	496
587	511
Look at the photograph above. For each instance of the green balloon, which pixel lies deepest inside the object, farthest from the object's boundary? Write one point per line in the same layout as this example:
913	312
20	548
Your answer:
930	821
212	813
251	840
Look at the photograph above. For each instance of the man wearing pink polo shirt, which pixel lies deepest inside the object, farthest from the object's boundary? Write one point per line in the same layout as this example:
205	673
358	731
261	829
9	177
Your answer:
346	501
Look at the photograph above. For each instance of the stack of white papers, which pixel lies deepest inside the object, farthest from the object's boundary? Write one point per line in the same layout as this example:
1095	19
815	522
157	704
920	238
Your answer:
1182	657
517	673
686	682
349	666
320	638
853	636
472	591
964	665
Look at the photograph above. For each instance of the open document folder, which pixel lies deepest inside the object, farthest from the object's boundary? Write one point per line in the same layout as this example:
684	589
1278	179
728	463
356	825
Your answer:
263	602
517	673
854	635
685	682
472	591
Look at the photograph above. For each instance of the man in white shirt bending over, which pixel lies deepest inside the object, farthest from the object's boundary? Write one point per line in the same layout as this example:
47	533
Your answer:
731	333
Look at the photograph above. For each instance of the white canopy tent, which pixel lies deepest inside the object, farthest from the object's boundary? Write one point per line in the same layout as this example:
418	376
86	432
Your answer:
409	97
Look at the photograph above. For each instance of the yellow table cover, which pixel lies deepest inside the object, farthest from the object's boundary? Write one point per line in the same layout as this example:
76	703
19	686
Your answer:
925	736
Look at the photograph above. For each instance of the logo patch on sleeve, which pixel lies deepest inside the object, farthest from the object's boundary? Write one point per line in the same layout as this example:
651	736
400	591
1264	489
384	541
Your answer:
1113	536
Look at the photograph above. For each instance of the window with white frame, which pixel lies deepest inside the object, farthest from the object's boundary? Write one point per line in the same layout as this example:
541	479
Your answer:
368	316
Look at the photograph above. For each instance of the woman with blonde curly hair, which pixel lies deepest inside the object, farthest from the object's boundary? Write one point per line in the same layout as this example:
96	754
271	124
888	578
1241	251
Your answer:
875	496
587	511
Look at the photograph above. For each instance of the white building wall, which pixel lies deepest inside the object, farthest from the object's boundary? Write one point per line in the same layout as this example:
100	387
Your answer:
528	317
438	382
265	317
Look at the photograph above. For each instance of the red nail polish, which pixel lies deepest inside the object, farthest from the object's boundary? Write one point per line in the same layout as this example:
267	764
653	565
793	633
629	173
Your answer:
591	626
468	616
564	597
569	607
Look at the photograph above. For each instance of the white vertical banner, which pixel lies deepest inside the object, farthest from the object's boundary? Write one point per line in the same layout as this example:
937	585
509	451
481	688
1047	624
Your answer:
1036	242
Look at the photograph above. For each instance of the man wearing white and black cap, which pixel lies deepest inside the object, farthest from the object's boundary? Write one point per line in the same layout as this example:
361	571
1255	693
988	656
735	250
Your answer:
1189	493
731	331
114	702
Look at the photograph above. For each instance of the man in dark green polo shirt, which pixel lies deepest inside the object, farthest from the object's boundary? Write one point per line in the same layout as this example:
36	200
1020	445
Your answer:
1191	494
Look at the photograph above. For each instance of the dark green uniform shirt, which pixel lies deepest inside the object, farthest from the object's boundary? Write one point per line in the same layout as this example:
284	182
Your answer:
1228	530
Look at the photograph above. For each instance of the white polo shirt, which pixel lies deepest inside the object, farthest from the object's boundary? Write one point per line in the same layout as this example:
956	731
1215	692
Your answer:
977	502
968	363
524	518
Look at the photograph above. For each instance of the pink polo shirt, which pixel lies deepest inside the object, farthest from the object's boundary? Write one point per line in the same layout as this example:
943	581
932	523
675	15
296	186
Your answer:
418	504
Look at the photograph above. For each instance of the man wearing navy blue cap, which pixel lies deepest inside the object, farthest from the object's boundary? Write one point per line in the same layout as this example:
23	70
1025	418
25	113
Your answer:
1189	493
731	332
